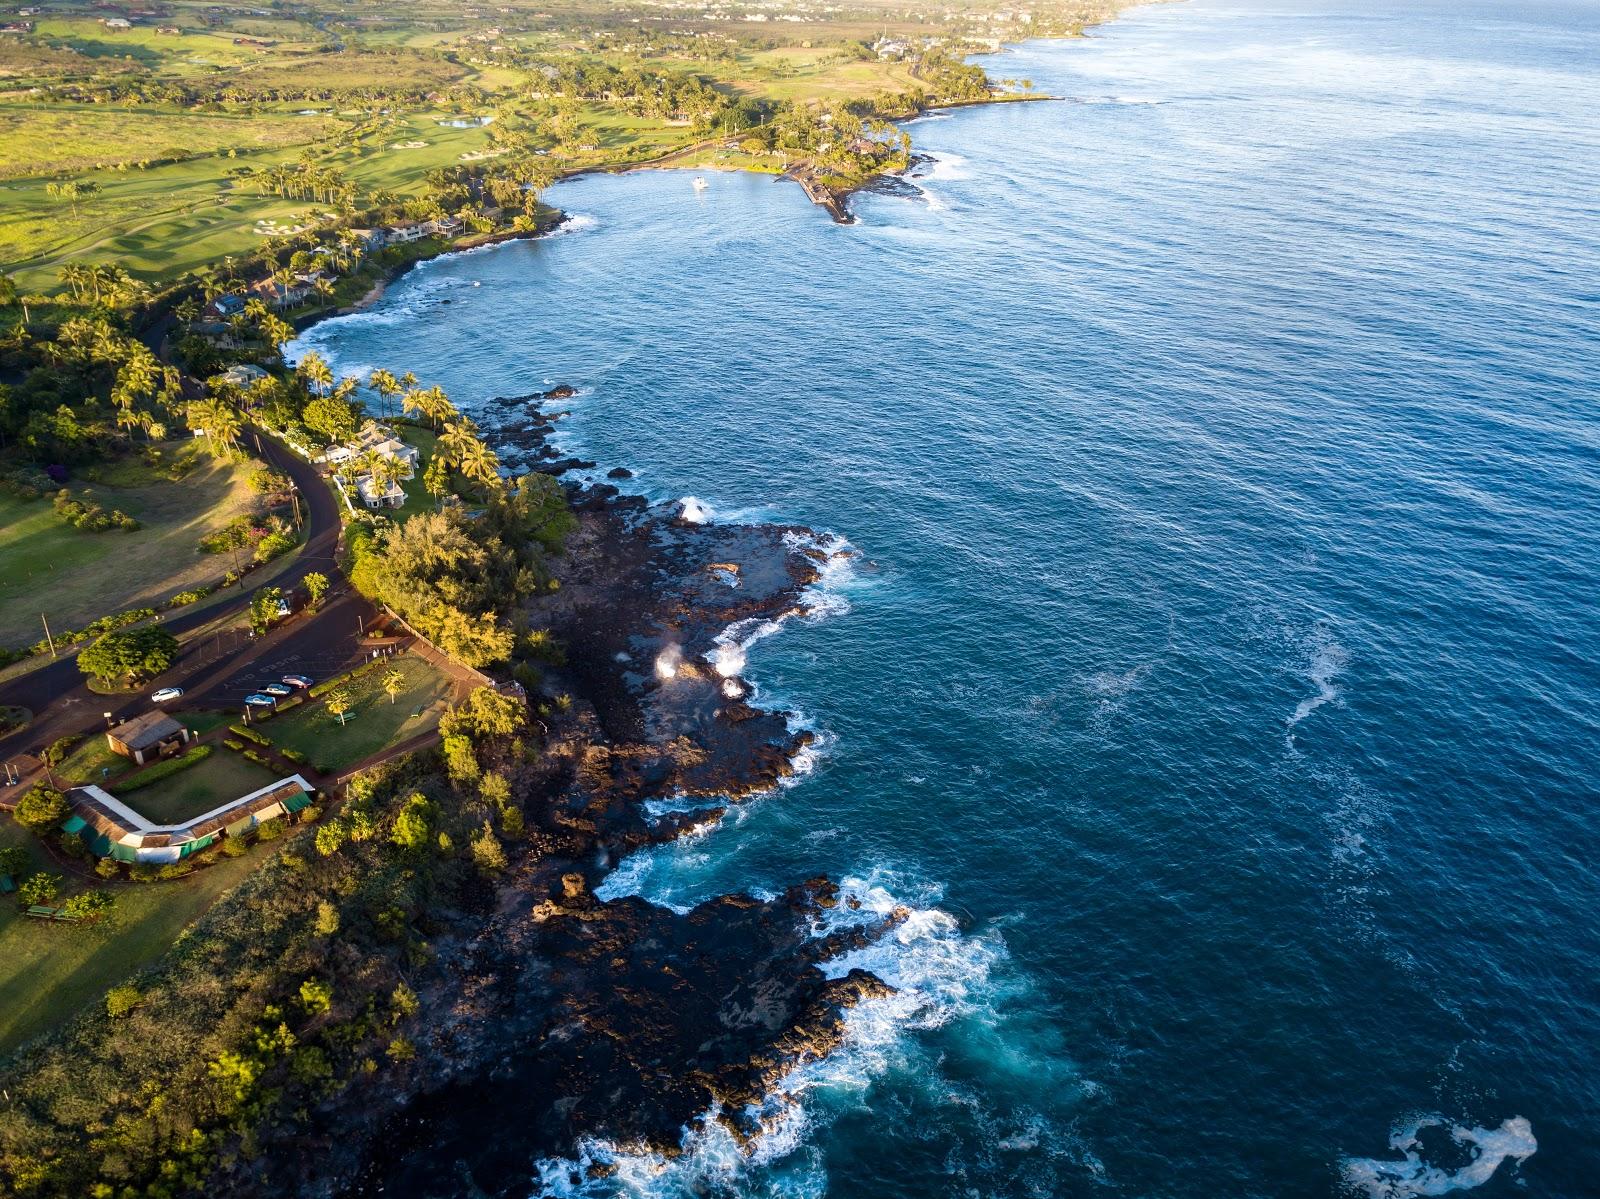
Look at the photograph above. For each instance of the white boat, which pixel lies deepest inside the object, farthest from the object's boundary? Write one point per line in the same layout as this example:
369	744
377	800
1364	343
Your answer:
700	184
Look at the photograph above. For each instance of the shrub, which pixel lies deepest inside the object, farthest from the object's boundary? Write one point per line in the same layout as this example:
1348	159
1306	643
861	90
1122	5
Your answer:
58	749
294	755
270	830
88	905
40	889
253	756
185	598
236	746
248	733
122	1000
161	770
234	847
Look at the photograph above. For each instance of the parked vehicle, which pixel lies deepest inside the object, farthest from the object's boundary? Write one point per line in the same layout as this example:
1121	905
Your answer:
166	695
297	680
261	701
278	689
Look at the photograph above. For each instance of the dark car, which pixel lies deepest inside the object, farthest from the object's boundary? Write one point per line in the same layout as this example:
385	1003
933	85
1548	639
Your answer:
297	680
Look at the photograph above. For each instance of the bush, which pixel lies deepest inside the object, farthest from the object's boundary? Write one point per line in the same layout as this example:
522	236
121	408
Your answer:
234	847
253	756
40	889
236	746
122	1000
294	755
90	516
58	749
161	770
185	598
248	733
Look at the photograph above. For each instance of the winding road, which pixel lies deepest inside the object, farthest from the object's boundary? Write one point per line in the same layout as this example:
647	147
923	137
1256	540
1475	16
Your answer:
62	702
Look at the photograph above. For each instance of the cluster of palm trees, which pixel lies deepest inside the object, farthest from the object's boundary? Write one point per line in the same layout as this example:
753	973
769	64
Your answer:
103	285
306	180
217	419
459	448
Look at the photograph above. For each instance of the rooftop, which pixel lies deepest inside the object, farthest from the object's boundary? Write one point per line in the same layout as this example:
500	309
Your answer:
144	731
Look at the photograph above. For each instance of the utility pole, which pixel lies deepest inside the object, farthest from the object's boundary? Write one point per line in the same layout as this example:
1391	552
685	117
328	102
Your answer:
51	640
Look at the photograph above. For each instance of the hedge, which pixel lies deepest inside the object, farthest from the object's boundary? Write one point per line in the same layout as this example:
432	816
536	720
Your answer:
249	734
324	687
161	770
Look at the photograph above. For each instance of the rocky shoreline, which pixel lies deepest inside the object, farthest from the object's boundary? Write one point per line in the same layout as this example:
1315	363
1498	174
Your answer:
556	1019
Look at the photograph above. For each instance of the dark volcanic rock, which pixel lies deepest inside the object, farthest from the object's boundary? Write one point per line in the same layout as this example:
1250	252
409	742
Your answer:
561	391
563	1017
647	1022
619	472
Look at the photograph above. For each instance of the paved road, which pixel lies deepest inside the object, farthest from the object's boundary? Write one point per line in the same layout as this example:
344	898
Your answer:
62	704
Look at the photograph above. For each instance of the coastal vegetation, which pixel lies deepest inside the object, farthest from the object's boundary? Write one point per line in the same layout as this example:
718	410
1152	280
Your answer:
180	197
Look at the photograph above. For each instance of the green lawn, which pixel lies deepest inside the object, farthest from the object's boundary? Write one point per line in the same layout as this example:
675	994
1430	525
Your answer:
92	762
210	783
372	723
48	971
417	497
75	576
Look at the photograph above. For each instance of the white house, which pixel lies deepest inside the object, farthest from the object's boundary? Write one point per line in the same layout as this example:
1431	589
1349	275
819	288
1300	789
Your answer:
393	496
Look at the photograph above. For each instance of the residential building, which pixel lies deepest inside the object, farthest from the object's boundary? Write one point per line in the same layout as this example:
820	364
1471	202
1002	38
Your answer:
111	829
391	496
243	375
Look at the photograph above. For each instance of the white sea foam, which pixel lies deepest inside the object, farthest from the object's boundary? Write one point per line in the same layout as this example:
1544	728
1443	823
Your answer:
939	975
1325	664
578	222
696	512
947	166
1414	1175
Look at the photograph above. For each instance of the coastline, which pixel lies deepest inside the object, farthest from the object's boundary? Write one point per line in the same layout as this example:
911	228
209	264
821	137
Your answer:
629	1009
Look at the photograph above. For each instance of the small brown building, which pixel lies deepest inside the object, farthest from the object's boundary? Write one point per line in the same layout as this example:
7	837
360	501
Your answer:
147	737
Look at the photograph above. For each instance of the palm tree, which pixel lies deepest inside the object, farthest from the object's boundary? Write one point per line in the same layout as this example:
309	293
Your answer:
9	295
455	441
314	369
480	464
386	385
393	683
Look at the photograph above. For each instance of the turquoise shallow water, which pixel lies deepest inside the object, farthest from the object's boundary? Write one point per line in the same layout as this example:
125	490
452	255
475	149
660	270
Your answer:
1219	679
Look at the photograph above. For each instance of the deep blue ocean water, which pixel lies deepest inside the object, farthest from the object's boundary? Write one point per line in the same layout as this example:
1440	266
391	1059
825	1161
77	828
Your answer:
1219	678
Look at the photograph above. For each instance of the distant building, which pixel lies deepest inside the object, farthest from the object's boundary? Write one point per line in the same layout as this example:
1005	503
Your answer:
227	305
111	829
447	226
147	737
280	295
378	439
243	375
396	235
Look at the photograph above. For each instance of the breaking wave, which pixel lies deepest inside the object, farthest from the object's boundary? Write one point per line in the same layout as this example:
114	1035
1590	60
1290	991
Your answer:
939	975
1414	1174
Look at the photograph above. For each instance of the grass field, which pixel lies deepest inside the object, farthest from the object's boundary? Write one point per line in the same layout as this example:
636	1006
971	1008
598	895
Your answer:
42	139
76	576
210	783
92	762
49	971
372	723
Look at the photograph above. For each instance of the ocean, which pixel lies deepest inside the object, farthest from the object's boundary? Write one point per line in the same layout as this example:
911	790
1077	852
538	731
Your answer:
1217	680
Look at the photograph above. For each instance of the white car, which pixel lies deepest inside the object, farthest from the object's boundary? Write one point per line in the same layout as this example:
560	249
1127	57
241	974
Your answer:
166	695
